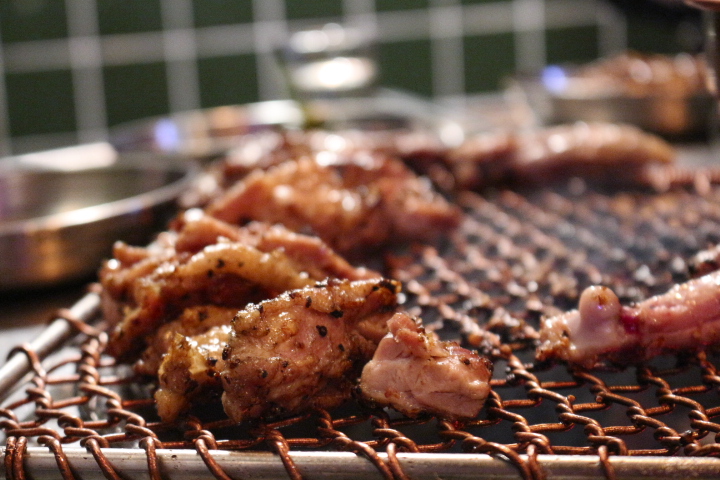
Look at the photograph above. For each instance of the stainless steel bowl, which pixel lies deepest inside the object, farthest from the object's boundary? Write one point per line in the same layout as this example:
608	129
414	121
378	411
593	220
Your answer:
61	210
205	133
682	116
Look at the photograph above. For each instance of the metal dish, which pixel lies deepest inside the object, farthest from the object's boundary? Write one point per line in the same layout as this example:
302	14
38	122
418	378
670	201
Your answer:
61	210
206	134
679	116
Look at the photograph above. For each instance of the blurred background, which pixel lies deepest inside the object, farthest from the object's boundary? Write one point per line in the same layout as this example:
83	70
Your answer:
70	70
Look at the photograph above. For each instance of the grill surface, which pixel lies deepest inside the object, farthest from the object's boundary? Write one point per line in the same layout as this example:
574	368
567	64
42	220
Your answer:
518	256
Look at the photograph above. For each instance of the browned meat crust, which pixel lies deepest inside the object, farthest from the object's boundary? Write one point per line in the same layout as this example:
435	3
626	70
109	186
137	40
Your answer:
190	371
352	202
208	262
192	322
305	348
414	372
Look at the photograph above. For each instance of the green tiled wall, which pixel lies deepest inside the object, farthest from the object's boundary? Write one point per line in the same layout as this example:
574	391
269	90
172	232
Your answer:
406	65
128	16
483	72
234	80
40	102
572	44
133	91
40	71
25	21
221	12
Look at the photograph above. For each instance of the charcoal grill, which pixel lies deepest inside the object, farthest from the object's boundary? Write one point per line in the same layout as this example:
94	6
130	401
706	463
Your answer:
517	256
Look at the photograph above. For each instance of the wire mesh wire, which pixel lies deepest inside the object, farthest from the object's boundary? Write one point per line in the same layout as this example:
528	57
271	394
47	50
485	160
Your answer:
517	256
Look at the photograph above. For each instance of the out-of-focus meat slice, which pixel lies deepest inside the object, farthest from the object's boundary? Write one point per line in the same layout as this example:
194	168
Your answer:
305	348
266	149
414	372
193	321
190	372
482	160
685	318
422	150
352	202
210	262
705	261
599	152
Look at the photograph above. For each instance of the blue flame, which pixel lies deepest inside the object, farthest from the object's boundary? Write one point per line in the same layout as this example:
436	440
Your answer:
554	78
167	135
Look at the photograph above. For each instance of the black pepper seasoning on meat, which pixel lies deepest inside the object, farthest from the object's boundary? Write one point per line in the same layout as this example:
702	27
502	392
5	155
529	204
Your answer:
322	330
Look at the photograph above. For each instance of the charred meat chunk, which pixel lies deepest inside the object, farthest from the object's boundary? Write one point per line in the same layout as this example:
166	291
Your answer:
192	322
190	371
305	348
211	263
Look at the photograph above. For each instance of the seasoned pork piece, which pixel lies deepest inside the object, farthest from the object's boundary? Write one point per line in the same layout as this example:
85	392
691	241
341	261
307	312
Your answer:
190	371
266	149
599	152
352	202
227	274
192	321
305	348
421	150
686	318
414	372
210	262
191	232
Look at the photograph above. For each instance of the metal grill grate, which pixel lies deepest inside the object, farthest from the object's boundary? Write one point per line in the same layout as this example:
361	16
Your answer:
517	257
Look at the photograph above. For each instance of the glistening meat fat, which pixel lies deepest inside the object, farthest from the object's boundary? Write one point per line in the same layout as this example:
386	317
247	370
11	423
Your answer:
414	372
685	318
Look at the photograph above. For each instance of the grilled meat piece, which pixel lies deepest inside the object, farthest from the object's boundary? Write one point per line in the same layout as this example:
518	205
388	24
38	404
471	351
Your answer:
414	372
227	274
685	318
705	261
353	202
190	371
190	233
268	148
421	150
305	348
600	152
193	321
209	262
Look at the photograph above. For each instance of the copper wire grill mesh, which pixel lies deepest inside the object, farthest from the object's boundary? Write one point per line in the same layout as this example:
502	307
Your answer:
516	257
